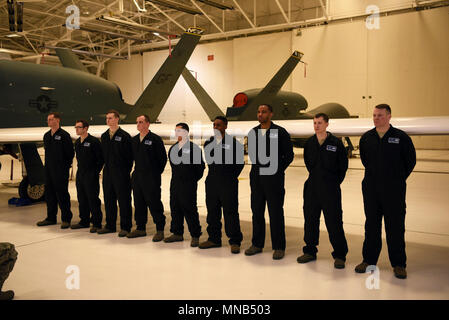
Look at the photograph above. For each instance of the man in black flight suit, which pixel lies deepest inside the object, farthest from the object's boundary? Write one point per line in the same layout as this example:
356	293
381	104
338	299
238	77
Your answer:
327	161
118	162
90	162
225	159
150	160
267	178
58	160
389	157
186	161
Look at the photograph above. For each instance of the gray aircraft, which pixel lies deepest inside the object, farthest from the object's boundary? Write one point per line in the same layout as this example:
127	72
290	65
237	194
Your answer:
30	92
286	105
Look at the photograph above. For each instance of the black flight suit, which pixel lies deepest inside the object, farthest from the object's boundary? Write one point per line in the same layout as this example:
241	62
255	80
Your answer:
388	162
58	160
327	165
269	189
90	162
150	160
222	188
118	162
187	167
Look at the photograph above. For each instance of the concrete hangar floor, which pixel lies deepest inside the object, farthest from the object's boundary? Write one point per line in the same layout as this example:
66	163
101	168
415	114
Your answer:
120	268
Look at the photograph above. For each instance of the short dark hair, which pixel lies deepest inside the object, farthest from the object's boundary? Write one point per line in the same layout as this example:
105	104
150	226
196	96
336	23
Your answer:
84	122
183	125
222	119
147	118
268	106
55	115
384	106
115	112
322	115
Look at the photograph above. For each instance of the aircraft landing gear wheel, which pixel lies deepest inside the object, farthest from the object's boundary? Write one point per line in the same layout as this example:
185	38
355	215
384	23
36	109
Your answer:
34	193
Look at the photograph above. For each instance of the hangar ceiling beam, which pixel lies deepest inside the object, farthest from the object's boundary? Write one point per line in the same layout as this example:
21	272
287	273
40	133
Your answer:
282	11
51	57
208	18
85	44
19	45
92	46
324	9
46	20
255	12
118	51
235	33
167	16
42	28
16	52
45	13
244	14
28	40
84	20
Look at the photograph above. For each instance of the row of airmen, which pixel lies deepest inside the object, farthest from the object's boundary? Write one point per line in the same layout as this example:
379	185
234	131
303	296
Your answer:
387	154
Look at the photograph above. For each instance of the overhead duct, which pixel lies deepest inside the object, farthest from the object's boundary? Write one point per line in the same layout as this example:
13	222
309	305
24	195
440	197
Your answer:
216	5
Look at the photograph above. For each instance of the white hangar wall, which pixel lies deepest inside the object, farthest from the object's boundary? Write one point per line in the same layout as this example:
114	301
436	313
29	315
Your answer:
128	75
404	63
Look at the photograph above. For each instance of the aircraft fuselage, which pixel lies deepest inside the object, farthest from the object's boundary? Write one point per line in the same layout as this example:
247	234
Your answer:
286	105
30	91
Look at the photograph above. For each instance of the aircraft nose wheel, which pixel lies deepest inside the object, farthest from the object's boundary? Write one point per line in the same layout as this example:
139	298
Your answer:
35	193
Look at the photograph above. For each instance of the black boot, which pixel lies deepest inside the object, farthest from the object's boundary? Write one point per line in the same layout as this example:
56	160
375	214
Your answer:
7	295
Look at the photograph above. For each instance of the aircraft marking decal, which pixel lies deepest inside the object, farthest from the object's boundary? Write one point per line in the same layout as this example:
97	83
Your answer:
43	103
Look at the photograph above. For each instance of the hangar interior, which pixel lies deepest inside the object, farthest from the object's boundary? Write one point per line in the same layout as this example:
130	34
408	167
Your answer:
404	62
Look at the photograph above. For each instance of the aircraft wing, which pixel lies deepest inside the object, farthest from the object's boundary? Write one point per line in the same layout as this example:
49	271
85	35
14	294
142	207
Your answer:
350	127
297	128
415	126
